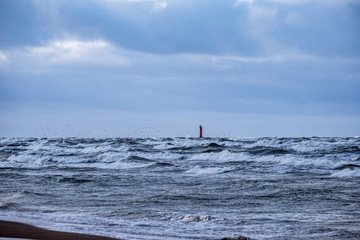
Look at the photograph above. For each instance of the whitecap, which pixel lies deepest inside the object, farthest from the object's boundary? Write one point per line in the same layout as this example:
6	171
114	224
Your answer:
347	173
192	218
207	170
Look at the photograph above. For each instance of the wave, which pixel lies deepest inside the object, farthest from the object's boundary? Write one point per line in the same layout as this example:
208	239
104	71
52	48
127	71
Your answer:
192	218
9	206
349	172
345	166
73	180
137	159
205	156
214	145
346	149
266	150
207	170
161	165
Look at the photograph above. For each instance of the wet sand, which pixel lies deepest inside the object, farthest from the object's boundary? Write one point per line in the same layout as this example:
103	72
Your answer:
24	231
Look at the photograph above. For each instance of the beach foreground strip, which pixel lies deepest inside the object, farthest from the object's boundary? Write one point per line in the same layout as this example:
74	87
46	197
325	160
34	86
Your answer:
10	229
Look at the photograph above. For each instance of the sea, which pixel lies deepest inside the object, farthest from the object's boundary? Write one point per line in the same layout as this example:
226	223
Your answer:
184	187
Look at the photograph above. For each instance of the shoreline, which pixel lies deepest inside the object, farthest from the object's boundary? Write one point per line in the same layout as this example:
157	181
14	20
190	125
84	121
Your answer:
9	229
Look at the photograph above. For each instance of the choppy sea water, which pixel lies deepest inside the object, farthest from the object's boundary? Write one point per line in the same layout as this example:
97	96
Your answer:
184	188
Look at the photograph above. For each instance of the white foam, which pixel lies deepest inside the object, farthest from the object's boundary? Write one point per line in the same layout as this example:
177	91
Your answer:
191	218
30	161
207	170
220	157
226	156
347	173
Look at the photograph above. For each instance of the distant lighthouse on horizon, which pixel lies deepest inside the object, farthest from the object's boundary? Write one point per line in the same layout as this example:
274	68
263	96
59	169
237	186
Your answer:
200	128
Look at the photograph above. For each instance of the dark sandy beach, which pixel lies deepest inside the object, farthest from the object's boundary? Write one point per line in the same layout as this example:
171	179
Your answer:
24	231
20	230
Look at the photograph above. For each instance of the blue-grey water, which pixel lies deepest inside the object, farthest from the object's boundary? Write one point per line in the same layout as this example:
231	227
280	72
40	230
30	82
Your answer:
184	188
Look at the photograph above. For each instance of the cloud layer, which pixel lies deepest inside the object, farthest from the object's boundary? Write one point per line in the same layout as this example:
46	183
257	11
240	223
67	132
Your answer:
215	62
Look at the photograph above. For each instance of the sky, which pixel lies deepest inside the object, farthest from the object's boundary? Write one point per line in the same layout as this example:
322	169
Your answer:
160	68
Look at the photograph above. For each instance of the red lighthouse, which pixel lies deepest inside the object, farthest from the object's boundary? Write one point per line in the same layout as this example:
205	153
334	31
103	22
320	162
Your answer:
200	131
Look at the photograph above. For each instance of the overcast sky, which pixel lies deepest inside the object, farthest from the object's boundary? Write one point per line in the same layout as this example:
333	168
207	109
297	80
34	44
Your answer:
155	68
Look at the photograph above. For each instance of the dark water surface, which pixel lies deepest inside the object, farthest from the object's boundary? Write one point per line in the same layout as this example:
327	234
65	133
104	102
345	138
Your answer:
185	188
